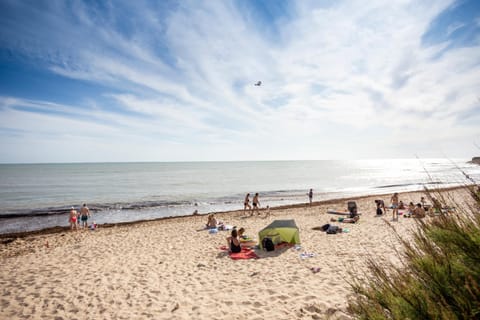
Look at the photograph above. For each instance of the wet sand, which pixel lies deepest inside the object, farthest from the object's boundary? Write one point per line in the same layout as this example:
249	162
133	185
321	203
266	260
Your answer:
173	268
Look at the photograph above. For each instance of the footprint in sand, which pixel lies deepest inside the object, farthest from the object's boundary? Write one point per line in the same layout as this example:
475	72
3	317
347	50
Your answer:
4	303
270	291
283	297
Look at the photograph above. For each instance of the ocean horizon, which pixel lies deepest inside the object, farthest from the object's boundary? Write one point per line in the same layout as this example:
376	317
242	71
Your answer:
37	196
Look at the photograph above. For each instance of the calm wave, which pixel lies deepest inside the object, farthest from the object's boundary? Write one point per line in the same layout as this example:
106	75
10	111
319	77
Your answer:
36	196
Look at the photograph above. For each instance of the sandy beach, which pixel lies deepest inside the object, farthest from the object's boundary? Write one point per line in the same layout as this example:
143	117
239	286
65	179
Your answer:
174	268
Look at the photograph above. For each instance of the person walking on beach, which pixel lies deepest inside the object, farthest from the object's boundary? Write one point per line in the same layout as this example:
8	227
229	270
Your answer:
84	215
310	196
256	204
246	203
394	200
73	219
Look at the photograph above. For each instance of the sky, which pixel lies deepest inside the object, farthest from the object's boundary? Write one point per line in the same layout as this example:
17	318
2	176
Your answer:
118	81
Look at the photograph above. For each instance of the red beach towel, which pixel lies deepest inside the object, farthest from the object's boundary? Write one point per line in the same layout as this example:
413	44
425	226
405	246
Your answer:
244	254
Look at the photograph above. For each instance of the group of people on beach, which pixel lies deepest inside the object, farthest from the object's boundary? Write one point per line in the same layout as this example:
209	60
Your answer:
234	242
79	218
413	211
255	203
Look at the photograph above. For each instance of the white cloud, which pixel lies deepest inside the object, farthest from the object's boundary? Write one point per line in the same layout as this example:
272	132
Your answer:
454	27
335	79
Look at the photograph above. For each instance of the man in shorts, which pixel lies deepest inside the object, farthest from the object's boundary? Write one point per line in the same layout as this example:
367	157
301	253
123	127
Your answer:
256	204
84	214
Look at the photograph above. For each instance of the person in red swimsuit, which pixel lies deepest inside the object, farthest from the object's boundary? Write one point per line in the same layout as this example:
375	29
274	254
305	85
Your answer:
73	218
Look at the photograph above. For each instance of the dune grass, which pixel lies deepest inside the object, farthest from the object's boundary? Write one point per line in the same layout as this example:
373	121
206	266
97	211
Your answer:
439	277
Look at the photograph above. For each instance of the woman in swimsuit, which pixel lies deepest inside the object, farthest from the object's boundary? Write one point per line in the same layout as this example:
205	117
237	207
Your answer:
233	242
73	218
246	203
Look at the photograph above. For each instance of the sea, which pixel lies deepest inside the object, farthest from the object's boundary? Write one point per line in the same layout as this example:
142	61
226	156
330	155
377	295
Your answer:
39	196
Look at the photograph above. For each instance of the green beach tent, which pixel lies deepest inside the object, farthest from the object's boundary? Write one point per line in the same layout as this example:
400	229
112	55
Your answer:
280	231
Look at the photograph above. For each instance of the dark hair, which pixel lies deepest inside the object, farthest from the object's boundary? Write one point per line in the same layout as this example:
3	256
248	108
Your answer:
419	205
234	233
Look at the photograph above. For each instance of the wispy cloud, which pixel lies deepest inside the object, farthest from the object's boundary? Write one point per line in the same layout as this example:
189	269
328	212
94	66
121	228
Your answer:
335	78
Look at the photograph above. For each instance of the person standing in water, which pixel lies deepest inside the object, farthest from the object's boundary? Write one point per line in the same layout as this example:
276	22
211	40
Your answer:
73	219
84	215
310	196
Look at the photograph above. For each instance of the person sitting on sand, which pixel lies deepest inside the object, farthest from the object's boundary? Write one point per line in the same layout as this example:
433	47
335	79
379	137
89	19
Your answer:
401	205
233	242
423	202
211	222
241	234
73	219
245	241
380	207
411	208
437	206
419	212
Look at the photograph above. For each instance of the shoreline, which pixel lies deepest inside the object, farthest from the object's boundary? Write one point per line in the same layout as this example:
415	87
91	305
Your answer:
60	229
174	268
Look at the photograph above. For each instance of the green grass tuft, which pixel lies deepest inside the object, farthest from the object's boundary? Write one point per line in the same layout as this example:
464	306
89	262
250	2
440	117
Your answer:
439	277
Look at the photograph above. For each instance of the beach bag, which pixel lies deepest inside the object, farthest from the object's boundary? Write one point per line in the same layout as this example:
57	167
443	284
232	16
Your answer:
267	244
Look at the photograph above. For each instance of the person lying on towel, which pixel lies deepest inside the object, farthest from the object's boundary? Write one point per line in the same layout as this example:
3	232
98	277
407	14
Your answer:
346	220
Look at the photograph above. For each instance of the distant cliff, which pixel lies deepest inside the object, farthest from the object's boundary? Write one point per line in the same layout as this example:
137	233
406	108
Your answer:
475	160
